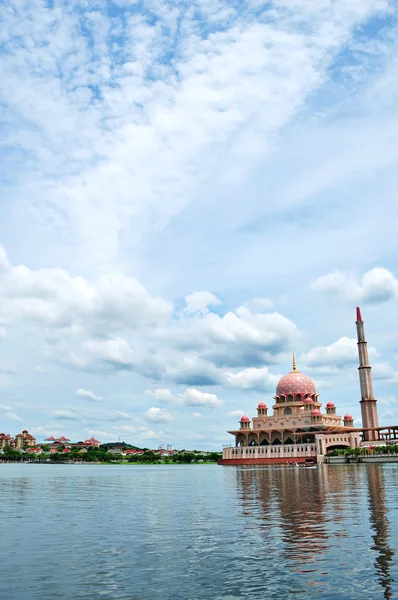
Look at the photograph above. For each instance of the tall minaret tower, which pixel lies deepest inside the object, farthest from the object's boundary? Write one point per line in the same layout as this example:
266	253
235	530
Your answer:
368	402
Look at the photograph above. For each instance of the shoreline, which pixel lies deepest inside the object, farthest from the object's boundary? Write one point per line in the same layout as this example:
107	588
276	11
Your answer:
56	462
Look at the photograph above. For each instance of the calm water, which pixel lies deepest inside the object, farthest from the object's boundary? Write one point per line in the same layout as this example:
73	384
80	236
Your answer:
198	532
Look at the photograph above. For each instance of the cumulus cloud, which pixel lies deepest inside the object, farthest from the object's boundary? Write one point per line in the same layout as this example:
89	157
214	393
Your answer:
191	397
87	394
259	379
200	302
338	355
90	323
158	415
197	415
376	286
238	338
66	303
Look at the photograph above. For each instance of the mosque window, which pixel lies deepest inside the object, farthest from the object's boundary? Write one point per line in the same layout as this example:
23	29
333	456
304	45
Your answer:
287	411
290	398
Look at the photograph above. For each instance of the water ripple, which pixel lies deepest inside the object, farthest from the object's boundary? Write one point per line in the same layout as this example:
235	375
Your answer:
198	532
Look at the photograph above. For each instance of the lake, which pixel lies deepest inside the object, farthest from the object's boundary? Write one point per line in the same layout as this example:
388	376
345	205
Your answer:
198	532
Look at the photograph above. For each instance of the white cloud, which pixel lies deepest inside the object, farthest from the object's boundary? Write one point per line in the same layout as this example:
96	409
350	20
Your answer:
200	302
236	338
150	435
158	415
12	416
376	286
87	394
259	304
259	379
385	372
126	428
387	400
66	414
339	355
73	304
6	407
47	430
191	397
161	394
128	141
235	413
197	415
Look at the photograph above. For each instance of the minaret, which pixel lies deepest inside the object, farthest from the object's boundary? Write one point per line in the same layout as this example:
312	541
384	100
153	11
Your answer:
368	402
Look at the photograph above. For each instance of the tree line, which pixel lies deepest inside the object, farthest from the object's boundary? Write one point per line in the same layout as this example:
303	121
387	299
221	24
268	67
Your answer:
102	454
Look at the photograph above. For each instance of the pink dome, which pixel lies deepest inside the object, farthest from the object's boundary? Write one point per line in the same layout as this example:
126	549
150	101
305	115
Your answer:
295	383
245	419
308	401
315	413
347	417
330	405
262	405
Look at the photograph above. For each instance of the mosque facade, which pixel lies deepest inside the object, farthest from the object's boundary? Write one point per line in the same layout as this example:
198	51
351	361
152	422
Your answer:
299	428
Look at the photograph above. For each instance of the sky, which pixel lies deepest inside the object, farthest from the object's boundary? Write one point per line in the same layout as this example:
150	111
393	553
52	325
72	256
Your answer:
190	191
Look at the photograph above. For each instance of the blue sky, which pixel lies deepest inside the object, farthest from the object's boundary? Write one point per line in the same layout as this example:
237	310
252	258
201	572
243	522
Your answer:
189	191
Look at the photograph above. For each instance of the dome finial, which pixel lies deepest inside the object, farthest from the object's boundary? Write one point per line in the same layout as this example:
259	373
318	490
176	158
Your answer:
294	363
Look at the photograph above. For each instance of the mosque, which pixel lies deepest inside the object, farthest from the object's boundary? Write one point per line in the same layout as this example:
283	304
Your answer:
299	430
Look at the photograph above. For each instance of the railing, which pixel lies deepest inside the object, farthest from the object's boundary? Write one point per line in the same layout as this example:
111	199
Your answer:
281	451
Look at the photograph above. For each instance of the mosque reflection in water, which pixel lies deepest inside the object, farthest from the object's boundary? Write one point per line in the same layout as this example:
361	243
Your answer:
316	516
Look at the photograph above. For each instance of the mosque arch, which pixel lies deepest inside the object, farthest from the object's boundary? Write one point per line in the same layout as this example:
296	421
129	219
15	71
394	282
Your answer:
288	437
264	439
299	397
276	438
241	440
337	446
287	411
253	439
290	398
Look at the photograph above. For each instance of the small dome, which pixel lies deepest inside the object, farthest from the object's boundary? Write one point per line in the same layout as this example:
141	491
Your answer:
244	419
262	405
308	401
348	417
315	413
330	405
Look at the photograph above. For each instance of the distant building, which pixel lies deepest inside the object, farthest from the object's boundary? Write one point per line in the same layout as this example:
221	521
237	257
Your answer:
6	441
24	440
